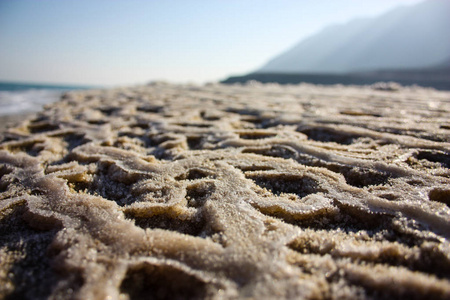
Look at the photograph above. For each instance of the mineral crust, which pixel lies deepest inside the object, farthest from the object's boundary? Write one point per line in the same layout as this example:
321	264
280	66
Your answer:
229	192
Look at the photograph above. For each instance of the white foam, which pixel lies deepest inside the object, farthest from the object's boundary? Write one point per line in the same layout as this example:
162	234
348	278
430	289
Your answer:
17	102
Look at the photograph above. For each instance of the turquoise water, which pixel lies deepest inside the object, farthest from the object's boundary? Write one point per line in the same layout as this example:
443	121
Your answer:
18	98
12	86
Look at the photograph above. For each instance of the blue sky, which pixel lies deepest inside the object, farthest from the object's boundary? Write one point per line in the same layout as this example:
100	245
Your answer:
116	42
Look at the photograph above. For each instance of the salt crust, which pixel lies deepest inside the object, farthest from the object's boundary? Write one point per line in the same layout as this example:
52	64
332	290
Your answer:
224	192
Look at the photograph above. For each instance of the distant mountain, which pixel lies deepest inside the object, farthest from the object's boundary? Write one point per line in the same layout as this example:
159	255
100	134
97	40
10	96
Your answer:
444	64
412	37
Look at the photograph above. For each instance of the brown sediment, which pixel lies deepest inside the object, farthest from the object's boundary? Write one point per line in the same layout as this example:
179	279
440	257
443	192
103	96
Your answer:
10	121
224	192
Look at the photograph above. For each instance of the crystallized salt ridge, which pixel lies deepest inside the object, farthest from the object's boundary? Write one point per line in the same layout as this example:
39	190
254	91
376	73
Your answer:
224	192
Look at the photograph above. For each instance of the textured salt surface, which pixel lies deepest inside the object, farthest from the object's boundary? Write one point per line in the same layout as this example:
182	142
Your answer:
260	191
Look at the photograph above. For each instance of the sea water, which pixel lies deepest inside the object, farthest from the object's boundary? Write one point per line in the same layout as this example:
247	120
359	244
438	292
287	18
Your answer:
20	98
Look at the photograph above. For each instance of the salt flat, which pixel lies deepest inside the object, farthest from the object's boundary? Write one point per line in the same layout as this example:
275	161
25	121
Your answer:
222	192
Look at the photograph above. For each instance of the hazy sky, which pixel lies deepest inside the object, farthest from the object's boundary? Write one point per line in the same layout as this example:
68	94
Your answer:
108	42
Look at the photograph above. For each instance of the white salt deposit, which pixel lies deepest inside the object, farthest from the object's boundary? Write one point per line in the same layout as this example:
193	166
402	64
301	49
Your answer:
225	192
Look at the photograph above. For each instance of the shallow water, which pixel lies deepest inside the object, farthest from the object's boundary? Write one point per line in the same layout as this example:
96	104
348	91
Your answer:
20	98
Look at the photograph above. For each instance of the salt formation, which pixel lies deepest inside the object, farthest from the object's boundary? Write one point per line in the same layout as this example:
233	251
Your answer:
224	192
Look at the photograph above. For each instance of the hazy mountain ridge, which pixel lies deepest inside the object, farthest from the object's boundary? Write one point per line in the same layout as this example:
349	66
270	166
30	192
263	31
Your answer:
410	37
